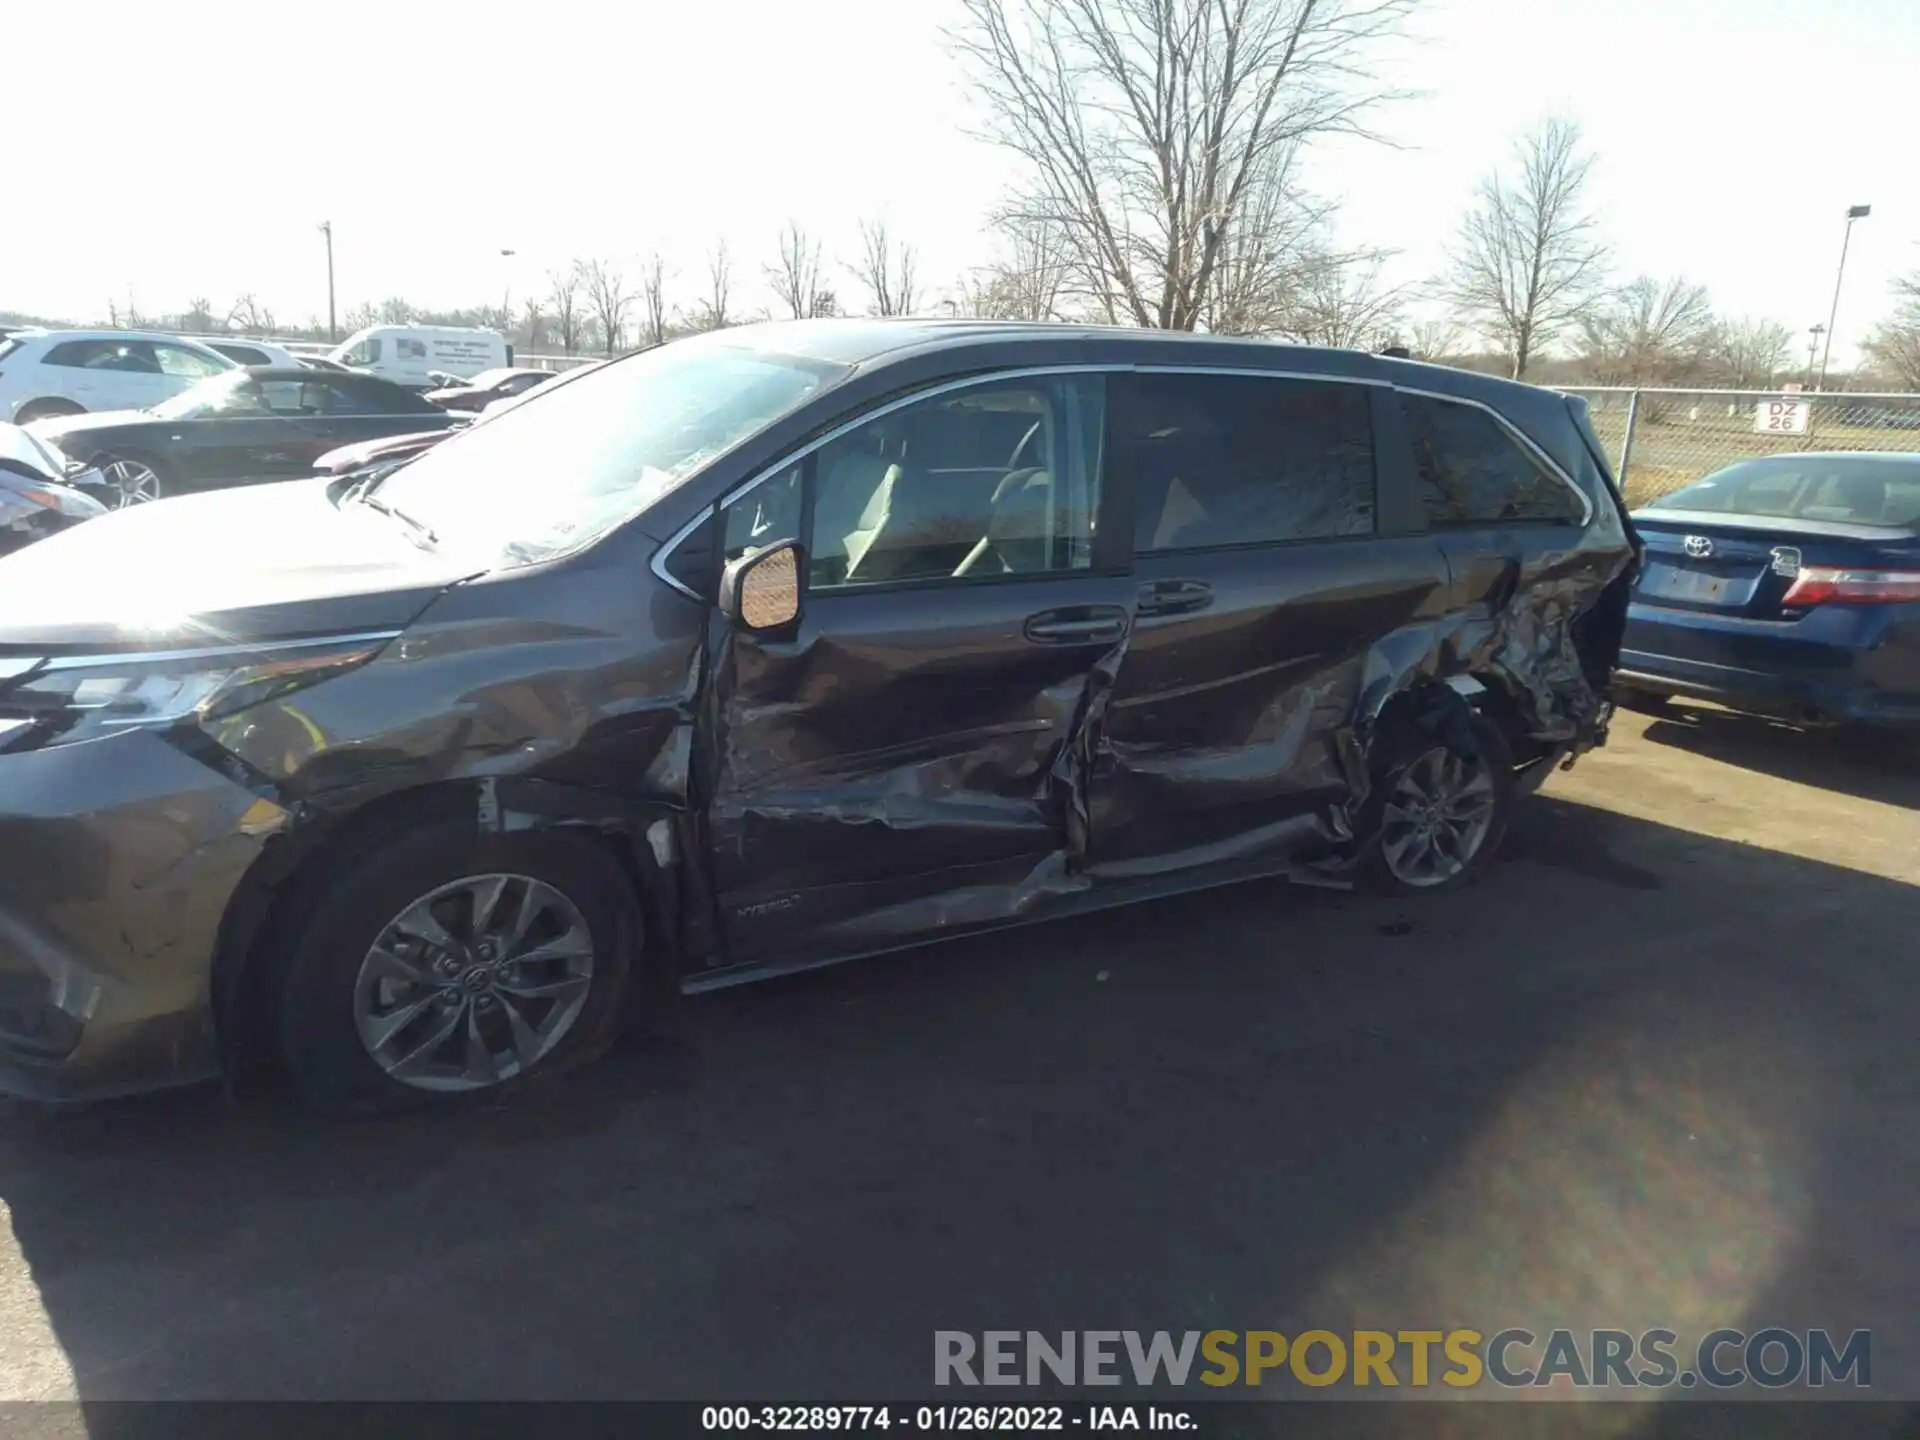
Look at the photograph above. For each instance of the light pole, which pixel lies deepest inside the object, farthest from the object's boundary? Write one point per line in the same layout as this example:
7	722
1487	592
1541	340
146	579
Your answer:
333	330
506	297
1854	212
1814	332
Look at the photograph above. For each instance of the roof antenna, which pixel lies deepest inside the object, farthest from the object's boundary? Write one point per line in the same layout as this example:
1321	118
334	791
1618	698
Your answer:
1397	352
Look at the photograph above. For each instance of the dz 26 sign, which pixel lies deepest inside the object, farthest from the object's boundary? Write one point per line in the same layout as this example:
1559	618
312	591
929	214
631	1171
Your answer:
1782	415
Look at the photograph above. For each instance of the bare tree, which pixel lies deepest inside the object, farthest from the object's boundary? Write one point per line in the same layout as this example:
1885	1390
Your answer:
1028	282
1750	352
563	295
1263	259
608	297
713	313
653	300
1894	344
534	316
198	316
250	317
362	316
1146	126
1340	299
796	279
1527	259
395	311
886	270
1433	340
1649	332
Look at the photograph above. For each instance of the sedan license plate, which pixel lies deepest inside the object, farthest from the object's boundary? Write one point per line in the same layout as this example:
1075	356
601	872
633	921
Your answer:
1691	585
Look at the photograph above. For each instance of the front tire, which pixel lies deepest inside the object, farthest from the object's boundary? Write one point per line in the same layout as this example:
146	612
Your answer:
445	964
134	479
1444	793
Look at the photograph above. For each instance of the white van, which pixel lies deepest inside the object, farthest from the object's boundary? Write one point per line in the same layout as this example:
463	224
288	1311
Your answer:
411	355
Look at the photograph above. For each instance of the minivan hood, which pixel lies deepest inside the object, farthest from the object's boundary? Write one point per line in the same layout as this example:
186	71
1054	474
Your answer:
231	567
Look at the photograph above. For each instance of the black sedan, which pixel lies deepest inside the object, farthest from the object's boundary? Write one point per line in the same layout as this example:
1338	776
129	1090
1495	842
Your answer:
238	428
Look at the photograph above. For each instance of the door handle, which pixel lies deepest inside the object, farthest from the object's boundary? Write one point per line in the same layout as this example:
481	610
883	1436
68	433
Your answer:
1174	597
1077	625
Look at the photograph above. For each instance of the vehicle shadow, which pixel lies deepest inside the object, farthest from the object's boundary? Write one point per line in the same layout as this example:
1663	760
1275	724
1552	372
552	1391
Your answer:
1566	1092
1873	765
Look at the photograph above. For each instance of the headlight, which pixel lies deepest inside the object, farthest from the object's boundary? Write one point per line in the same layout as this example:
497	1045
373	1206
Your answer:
68	699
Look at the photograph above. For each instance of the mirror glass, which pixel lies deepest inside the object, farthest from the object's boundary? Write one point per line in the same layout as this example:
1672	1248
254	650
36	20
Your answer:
770	590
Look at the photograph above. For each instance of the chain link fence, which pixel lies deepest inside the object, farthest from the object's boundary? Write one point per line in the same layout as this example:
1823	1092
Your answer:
1660	440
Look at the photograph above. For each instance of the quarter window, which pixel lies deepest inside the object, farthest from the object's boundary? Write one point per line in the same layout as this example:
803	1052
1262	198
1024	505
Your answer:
1473	472
1238	460
129	356
992	480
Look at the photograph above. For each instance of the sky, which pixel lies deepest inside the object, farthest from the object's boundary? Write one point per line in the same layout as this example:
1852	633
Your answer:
1731	137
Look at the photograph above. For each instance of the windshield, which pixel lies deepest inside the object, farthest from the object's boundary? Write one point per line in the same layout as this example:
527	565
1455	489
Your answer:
539	479
1847	489
223	394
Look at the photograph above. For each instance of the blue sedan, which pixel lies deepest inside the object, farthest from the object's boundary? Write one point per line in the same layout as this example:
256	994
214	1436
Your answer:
1787	586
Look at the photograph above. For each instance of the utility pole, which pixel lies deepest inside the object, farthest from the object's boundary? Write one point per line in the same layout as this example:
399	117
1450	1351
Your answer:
1814	332
506	297
333	328
1854	212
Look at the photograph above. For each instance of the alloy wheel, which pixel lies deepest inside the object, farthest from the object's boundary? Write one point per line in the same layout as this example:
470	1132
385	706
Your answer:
1437	818
135	483
474	983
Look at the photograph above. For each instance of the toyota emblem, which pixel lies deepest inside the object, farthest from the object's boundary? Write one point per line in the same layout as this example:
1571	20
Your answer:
1699	546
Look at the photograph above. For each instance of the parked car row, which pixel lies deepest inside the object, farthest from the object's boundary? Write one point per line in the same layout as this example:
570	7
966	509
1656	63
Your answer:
243	426
50	373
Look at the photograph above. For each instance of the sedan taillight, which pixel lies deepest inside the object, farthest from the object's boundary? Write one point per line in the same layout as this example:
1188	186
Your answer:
1824	585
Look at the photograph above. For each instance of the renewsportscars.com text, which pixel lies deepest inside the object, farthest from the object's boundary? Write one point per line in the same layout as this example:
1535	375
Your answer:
1511	1358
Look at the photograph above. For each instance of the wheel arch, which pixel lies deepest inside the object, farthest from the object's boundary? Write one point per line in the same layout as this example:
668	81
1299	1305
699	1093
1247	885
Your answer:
43	405
647	843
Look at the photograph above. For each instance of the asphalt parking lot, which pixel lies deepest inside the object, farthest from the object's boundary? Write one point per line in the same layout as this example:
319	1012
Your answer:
1657	1069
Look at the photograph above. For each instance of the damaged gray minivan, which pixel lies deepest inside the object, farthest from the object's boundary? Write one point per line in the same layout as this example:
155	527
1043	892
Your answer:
761	650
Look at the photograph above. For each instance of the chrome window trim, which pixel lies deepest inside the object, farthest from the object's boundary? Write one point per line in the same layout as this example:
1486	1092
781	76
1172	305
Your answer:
1515	433
216	652
1032	372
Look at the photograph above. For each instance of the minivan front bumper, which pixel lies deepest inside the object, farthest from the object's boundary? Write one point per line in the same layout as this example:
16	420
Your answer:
118	858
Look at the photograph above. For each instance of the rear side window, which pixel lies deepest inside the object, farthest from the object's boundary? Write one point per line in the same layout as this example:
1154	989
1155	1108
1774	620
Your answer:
244	354
1473	472
132	356
1837	488
1244	460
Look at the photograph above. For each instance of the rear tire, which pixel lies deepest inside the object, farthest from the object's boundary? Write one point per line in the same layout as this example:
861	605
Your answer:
399	991
46	410
1443	794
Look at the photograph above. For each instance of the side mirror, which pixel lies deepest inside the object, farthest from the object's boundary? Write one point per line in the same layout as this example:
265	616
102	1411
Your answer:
761	591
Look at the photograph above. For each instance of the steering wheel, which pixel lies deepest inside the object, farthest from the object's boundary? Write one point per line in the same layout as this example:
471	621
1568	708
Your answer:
1013	460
